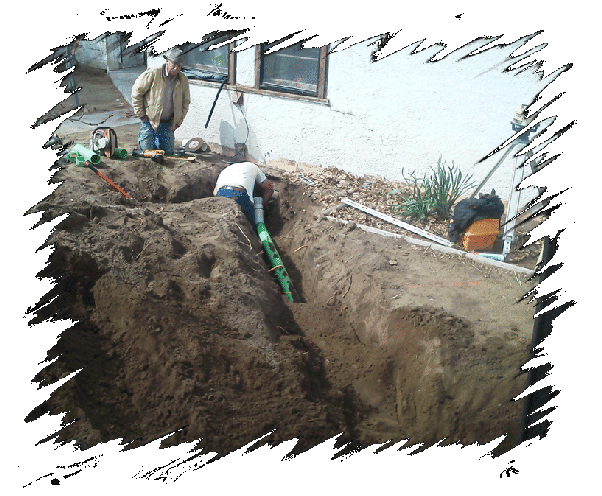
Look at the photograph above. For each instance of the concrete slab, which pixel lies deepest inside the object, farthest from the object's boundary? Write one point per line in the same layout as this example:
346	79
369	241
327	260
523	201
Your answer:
124	79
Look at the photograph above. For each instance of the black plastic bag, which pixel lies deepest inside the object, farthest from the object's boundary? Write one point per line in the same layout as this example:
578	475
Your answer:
470	210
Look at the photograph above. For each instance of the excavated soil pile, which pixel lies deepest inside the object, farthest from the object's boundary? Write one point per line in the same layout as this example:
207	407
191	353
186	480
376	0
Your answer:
181	327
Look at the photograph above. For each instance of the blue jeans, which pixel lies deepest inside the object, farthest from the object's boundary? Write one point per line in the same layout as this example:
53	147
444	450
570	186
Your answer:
242	198
162	139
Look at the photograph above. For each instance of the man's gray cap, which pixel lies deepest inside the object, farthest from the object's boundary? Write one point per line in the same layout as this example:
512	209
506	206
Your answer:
175	55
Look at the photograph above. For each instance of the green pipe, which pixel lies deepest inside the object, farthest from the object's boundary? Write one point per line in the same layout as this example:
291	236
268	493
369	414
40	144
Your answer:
281	274
84	152
277	265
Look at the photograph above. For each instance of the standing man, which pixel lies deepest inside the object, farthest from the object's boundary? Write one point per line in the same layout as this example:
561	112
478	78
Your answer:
238	181
160	97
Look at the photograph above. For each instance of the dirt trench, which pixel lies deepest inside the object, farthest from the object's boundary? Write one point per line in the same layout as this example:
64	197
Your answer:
182	329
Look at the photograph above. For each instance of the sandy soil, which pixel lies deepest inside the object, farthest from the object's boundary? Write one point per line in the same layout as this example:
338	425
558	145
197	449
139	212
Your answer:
182	328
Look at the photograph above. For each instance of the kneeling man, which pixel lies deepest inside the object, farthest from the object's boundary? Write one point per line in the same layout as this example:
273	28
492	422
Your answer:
238	181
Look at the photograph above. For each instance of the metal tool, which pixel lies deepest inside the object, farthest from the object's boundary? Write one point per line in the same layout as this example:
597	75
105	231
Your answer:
181	158
154	155
196	145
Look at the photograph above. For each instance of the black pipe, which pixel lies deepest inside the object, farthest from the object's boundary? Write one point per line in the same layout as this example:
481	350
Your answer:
215	101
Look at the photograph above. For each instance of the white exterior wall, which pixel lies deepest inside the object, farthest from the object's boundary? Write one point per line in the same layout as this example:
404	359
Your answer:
92	53
104	52
393	114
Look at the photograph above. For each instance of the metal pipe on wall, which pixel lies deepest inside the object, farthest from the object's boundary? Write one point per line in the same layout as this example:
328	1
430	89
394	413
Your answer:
69	63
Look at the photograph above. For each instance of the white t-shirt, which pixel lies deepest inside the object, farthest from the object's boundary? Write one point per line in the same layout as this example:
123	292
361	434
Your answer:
241	175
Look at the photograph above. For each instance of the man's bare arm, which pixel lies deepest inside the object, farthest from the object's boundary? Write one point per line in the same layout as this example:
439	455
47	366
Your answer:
267	189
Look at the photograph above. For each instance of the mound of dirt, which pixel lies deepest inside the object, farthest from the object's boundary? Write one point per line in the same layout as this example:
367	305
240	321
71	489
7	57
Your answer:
181	327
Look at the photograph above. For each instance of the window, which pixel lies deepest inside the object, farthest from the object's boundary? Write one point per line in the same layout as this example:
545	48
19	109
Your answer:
214	64
293	69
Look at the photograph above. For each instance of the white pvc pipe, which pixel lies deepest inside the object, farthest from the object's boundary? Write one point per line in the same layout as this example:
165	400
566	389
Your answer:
442	249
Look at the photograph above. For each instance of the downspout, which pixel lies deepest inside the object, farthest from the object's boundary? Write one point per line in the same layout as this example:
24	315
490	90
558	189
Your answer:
276	262
71	62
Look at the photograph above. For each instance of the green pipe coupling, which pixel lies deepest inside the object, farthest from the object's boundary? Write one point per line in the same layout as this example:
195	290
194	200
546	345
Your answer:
77	159
120	153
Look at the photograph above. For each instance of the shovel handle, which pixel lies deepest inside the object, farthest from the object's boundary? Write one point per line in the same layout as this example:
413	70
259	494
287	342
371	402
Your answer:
102	176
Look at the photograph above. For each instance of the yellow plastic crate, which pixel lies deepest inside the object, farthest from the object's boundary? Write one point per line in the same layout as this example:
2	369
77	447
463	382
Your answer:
481	235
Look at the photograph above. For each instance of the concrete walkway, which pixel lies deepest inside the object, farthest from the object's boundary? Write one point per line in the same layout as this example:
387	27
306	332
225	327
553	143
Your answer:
113	118
123	79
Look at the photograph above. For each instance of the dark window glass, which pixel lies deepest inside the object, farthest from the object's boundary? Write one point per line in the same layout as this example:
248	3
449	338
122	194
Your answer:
291	69
206	64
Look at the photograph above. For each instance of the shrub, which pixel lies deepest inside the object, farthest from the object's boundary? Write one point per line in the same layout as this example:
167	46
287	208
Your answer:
433	194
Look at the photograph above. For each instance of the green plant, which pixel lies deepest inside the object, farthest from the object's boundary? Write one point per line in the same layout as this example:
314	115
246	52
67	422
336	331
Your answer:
414	204
433	194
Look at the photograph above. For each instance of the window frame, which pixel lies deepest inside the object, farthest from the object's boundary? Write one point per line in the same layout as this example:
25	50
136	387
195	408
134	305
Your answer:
232	84
322	77
231	81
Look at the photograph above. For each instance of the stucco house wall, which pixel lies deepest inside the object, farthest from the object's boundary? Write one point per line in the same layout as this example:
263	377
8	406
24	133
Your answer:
106	52
399	113
92	53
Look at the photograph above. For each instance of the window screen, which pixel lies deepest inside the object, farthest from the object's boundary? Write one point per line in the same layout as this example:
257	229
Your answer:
292	69
206	64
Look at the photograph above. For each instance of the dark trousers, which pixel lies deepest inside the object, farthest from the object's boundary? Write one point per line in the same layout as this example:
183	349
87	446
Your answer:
242	198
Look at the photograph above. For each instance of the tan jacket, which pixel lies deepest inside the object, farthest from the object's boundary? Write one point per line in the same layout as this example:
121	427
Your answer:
148	94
